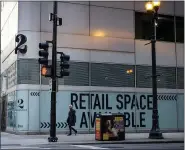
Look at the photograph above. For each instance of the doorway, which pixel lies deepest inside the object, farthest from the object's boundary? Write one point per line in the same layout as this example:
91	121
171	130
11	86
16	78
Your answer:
3	113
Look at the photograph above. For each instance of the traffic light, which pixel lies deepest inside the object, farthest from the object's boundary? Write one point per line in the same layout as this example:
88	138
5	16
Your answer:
46	71
43	53
64	64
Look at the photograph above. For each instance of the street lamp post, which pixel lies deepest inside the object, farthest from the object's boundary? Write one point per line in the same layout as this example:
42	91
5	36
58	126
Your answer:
155	133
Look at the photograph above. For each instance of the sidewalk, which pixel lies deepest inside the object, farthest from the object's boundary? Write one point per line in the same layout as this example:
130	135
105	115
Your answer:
131	138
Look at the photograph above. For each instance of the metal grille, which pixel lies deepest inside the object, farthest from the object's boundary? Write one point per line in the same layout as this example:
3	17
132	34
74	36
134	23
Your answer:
166	79
180	78
28	71
143	76
79	74
112	75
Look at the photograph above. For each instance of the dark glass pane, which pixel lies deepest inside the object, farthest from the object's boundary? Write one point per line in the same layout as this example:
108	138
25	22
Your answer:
180	29
144	29
165	28
147	30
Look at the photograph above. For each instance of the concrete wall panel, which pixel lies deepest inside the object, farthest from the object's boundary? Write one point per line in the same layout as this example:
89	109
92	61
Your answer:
179	8
112	22
75	18
165	53
89	42
115	4
180	55
29	16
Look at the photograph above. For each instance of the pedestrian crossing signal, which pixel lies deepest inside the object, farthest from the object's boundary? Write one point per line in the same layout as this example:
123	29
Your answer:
46	71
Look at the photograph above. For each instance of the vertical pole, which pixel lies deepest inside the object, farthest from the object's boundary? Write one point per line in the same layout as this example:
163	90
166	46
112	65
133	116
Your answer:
0	78
53	137
155	131
154	81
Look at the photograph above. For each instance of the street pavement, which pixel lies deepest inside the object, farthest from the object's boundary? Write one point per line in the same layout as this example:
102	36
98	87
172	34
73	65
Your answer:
169	146
130	138
87	141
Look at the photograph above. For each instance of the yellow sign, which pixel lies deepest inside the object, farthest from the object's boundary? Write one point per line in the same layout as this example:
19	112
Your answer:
118	118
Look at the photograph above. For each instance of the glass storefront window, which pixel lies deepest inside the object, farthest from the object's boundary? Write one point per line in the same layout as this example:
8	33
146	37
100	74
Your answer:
11	110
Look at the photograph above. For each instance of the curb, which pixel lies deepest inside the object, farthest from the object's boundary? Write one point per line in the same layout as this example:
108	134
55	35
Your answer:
10	145
112	142
128	142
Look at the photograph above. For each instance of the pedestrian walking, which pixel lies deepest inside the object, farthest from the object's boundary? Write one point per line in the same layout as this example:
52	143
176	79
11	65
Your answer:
71	120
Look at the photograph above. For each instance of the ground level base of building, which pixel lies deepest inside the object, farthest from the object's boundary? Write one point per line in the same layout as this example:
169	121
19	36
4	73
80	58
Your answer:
80	132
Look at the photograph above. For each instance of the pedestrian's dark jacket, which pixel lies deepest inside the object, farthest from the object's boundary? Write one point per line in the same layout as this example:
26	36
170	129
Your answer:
71	119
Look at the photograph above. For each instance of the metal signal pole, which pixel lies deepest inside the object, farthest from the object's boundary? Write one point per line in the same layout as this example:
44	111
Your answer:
53	137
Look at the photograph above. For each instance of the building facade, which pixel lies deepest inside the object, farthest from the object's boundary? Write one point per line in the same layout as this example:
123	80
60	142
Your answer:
105	40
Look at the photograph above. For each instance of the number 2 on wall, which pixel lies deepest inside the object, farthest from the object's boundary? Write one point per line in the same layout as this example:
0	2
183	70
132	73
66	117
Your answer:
21	39
20	103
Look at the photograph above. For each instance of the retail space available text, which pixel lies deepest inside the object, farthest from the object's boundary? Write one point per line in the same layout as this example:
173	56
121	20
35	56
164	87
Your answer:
132	106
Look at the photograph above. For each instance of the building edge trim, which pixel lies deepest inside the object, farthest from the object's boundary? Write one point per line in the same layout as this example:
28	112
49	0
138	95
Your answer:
92	89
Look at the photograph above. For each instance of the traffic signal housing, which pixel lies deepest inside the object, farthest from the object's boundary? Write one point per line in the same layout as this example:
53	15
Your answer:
43	60
46	71
64	64
43	53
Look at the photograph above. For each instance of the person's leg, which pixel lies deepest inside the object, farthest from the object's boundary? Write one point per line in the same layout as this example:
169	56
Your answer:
74	130
69	130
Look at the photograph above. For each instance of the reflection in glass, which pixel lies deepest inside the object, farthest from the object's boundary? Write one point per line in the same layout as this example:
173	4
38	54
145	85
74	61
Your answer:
11	111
